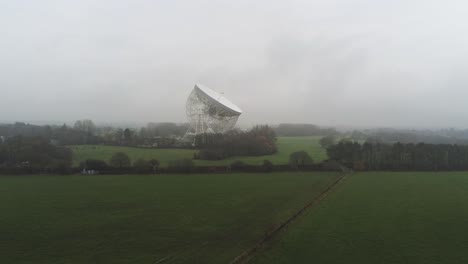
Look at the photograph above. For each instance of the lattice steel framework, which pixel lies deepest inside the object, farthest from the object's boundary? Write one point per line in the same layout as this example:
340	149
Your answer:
209	112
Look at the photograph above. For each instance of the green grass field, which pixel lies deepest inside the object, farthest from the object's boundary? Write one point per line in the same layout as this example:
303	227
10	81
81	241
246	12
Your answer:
145	219
381	218
286	146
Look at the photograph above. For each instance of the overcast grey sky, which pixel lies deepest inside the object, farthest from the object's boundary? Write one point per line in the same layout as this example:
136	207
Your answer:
328	62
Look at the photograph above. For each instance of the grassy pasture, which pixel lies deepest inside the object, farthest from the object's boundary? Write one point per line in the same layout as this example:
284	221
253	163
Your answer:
145	219
286	146
381	218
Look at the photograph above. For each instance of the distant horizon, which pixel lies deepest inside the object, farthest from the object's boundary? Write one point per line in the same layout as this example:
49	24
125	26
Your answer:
241	125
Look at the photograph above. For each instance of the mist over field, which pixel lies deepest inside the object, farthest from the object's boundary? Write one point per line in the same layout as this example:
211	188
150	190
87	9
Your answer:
334	62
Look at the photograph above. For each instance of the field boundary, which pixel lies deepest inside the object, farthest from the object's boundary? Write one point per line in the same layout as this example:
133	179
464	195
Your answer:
247	254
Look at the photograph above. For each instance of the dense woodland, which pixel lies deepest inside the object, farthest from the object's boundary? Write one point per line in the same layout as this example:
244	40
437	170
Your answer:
258	141
440	136
399	156
34	154
86	132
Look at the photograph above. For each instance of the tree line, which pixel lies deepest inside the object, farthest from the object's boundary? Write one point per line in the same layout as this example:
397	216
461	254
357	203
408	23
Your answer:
391	136
258	141
121	163
87	132
399	156
34	154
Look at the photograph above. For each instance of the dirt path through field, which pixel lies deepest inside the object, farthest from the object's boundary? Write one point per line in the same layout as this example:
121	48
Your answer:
249	253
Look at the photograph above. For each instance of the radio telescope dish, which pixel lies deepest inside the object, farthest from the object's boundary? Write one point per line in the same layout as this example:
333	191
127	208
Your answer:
210	112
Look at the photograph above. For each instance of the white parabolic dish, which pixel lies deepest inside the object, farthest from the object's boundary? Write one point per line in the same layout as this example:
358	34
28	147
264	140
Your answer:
210	112
219	98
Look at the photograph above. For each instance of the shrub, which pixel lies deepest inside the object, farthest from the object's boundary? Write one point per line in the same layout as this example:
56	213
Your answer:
267	166
238	165
327	141
94	164
63	167
120	160
142	166
331	165
299	159
154	165
181	165
359	165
